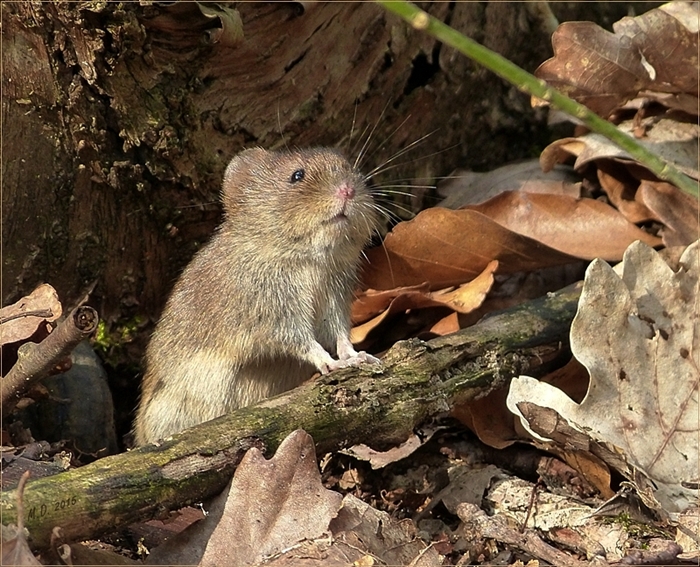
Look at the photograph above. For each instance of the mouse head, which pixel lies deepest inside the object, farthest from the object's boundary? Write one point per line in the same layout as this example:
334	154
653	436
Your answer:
311	198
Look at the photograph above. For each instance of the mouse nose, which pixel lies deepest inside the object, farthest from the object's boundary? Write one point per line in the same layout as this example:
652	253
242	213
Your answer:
346	191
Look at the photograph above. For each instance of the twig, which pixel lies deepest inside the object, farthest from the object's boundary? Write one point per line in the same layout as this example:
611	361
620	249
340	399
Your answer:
531	85
20	500
530	506
35	361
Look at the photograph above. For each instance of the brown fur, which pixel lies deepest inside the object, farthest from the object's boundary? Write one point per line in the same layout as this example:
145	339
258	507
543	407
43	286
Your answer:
260	307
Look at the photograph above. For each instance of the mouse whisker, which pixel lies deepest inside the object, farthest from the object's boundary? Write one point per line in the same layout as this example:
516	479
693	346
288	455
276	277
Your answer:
384	168
390	136
415	143
388	261
197	205
389	215
385	190
363	149
395	218
387	194
398	181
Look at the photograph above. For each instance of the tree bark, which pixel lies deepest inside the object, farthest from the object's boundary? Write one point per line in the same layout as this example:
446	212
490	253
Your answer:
380	407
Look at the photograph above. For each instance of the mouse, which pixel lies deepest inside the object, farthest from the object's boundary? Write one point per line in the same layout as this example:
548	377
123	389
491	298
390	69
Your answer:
266	302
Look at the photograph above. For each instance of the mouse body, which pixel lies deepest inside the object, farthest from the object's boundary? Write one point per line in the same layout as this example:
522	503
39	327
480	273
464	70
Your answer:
266	302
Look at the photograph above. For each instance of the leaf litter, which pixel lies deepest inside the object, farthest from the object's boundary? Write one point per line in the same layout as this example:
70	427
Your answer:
278	512
642	76
619	203
21	320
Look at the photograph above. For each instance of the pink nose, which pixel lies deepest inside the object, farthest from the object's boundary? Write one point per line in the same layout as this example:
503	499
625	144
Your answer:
346	191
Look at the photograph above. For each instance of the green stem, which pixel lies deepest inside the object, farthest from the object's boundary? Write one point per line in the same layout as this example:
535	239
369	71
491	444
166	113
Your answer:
531	85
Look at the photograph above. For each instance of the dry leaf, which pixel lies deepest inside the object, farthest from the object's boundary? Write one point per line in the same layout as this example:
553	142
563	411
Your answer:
678	212
14	549
272	505
621	189
463	188
468	296
468	483
591	468
447	248
269	506
395	542
654	52
380	459
560	151
464	299
489	418
620	176
638	335
676	142
687	532
16	325
511	498
446	325
563	479
228	30
584	228
370	303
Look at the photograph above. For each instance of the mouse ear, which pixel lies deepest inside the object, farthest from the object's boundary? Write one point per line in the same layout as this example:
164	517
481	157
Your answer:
242	163
237	172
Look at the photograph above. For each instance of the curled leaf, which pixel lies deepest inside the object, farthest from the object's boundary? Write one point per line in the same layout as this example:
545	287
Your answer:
652	53
639	338
448	248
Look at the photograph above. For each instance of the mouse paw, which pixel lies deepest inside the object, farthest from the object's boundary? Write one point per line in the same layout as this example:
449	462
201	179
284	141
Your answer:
336	364
366	358
355	360
347	352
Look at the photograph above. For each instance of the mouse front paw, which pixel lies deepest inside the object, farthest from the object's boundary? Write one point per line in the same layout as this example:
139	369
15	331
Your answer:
366	358
355	360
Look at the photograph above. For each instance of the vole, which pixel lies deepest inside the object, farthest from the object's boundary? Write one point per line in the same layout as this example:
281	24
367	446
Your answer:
265	302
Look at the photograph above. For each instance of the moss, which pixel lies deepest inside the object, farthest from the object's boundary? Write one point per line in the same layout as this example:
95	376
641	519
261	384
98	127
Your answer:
109	342
637	529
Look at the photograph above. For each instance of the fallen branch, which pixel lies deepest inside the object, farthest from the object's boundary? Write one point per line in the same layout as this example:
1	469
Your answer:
377	406
35	361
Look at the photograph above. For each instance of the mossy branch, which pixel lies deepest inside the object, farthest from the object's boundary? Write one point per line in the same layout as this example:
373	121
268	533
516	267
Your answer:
380	406
531	85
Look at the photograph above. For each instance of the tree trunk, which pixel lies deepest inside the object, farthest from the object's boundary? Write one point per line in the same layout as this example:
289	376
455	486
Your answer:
376	406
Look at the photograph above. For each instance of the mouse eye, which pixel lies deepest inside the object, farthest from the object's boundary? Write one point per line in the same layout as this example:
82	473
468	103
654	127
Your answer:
298	175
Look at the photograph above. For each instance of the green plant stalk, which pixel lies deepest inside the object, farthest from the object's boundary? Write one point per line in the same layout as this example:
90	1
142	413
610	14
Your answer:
531	85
